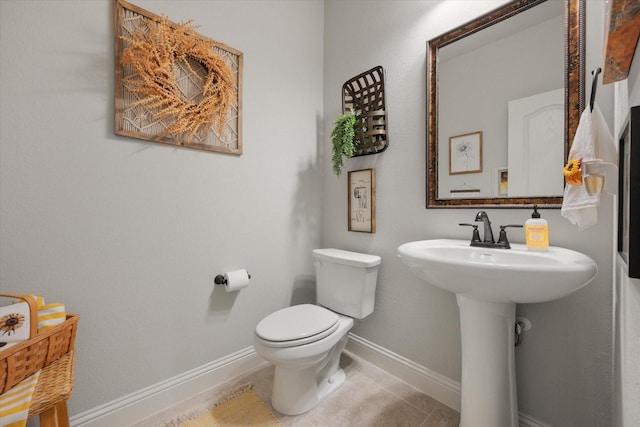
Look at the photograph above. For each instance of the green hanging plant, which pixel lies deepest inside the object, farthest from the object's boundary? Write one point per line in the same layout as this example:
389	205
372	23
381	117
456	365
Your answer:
344	140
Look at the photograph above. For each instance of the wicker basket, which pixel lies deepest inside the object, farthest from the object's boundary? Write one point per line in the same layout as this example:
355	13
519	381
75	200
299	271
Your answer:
26	358
365	95
55	385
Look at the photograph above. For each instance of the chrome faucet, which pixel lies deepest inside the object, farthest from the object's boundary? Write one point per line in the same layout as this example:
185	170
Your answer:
488	233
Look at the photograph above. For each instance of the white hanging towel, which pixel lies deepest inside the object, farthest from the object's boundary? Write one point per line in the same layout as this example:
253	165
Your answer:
593	140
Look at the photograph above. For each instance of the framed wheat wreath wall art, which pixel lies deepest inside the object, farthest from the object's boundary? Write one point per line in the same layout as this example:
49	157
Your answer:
173	85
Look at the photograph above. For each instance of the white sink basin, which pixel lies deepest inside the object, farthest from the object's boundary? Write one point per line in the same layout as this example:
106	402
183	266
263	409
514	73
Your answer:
488	283
500	275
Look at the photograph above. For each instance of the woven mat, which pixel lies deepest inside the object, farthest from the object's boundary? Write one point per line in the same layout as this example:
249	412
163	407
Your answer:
244	408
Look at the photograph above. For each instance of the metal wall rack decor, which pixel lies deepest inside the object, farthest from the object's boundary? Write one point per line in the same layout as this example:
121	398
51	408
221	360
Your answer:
365	95
191	98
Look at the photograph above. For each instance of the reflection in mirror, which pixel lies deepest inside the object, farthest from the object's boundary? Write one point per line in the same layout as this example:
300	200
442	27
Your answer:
505	95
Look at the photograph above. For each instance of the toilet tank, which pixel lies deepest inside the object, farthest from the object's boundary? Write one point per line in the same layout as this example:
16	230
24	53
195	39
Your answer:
346	281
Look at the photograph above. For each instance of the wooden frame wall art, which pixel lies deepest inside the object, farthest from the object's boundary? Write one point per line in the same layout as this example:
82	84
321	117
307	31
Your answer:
465	153
362	200
501	181
173	85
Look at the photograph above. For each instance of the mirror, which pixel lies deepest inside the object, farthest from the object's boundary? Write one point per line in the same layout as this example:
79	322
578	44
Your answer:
505	94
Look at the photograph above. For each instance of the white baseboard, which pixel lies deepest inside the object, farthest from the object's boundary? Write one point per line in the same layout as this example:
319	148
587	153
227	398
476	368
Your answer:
143	403
443	389
527	421
157	397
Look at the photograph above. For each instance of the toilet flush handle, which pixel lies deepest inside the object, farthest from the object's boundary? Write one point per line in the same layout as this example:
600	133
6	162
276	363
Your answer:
317	263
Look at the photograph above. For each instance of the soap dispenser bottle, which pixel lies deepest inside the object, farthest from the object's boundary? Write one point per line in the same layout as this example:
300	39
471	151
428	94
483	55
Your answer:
536	232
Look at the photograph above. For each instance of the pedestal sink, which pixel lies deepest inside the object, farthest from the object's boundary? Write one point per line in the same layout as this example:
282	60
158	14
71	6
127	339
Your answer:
488	283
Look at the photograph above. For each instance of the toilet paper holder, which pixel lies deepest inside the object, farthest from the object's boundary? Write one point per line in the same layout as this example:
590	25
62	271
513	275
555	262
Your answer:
220	279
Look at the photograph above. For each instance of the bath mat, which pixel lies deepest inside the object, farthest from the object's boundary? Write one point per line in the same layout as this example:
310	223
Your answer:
241	408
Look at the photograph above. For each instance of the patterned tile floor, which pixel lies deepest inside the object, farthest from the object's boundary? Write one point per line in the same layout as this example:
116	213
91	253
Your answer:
370	397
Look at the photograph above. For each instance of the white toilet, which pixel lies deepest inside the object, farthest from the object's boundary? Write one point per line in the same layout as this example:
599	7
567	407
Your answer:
304	341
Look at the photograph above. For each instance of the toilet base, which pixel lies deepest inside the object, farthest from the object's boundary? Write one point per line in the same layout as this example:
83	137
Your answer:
296	391
293	394
330	385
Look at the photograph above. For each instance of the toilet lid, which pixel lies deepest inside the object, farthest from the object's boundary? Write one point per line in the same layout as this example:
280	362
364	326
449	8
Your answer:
305	322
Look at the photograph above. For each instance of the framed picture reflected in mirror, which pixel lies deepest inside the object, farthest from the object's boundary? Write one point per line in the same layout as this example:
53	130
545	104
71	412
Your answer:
465	153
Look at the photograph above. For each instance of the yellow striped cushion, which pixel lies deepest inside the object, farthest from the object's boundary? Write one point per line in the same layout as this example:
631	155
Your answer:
14	403
39	300
50	315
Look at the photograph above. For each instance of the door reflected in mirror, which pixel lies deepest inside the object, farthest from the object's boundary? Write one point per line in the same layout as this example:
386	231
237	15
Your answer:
514	76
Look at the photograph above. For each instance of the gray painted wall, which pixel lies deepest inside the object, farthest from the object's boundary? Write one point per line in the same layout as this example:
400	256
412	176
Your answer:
564	365
627	297
130	234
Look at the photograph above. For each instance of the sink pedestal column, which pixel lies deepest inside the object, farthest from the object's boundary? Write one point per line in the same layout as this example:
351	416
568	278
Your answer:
488	397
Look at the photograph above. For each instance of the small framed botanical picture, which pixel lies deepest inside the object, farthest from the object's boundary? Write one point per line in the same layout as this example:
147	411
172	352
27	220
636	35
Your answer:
362	200
465	153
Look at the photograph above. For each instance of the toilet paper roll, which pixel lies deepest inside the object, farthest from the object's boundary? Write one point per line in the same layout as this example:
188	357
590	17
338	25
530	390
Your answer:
236	280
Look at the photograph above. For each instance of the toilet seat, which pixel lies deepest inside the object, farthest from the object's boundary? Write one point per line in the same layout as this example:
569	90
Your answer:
297	325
